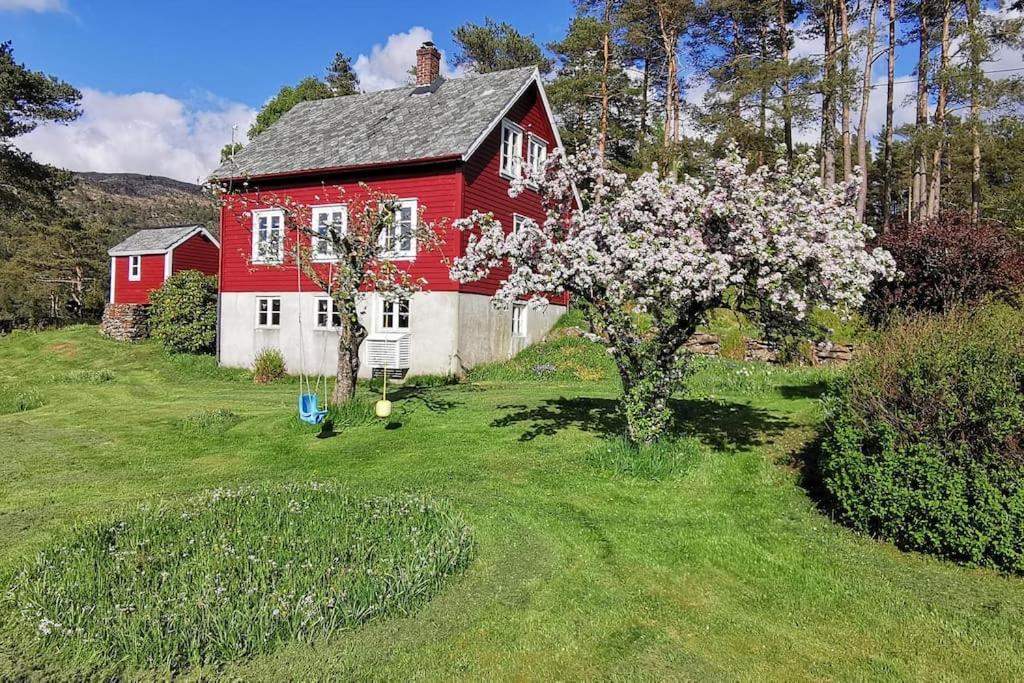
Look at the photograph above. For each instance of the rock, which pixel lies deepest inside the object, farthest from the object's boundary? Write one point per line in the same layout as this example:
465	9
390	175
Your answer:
703	343
761	351
830	353
125	322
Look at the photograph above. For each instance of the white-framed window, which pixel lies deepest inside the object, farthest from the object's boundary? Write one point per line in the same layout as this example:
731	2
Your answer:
536	154
327	316
324	218
268	236
517	222
398	239
518	320
394	314
135	268
268	311
511	149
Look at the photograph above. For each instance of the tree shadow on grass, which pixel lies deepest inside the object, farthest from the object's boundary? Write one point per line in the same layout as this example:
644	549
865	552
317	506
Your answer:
412	396
810	390
720	425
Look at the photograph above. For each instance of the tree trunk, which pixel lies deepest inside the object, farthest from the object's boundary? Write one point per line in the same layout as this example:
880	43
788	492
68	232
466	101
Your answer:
887	178
935	192
828	114
763	104
844	71
670	39
974	55
787	112
642	138
865	101
918	199
350	337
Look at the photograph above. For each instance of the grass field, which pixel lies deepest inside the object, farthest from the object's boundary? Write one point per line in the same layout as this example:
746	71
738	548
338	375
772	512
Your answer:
716	566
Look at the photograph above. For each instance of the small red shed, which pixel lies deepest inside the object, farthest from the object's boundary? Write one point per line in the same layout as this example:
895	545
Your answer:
142	262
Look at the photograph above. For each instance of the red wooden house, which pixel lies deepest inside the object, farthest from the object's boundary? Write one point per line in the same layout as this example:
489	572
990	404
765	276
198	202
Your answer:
142	262
445	147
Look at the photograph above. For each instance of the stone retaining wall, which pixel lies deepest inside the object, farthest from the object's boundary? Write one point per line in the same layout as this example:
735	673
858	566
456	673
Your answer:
125	322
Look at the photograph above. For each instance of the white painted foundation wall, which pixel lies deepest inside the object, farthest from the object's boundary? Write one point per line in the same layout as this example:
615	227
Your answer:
449	332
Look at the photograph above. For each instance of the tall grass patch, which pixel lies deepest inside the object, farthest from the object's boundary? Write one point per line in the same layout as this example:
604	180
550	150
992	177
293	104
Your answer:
570	359
660	460
14	399
233	573
209	422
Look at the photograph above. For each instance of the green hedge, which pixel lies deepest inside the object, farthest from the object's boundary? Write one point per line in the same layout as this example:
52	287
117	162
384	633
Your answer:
924	438
183	313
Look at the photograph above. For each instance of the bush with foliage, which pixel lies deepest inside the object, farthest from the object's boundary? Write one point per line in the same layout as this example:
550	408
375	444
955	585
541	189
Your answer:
924	438
947	261
183	313
268	366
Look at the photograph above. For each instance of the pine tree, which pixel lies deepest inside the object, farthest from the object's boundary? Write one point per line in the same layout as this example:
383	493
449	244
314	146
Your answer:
496	47
341	78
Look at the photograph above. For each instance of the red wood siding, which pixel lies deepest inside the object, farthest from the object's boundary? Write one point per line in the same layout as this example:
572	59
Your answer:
486	190
196	253
436	189
137	292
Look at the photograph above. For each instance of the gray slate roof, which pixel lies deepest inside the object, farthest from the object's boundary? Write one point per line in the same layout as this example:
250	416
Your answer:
380	127
153	240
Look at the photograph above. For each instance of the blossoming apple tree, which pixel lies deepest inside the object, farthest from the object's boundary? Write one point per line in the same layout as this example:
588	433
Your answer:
345	252
653	255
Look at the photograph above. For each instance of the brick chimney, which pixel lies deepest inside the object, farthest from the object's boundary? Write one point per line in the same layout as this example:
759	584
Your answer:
428	64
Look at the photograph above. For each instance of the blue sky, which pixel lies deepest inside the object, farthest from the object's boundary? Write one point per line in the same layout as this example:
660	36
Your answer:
239	51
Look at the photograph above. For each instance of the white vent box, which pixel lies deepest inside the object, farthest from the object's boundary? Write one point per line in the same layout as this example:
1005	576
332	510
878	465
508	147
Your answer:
388	350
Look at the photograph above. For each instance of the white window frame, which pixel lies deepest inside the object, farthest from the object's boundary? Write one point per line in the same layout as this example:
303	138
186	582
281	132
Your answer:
517	221
511	165
315	242
269	324
395	314
535	162
407	254
519	319
331	314
134	267
269	214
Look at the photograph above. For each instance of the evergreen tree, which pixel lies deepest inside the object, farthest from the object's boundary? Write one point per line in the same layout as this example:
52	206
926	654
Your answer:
495	47
341	79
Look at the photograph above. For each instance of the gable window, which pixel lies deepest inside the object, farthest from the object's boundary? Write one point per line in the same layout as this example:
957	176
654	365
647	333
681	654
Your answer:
536	155
398	238
511	149
134	268
326	218
518	320
267	236
268	311
395	314
327	316
518	220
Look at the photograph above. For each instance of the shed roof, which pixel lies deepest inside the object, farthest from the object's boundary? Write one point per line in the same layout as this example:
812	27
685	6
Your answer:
158	240
446	119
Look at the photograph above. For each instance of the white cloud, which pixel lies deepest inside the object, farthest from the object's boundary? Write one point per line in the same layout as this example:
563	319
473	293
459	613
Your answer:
34	5
388	65
141	132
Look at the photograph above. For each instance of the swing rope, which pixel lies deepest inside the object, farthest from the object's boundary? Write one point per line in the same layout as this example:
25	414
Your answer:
313	389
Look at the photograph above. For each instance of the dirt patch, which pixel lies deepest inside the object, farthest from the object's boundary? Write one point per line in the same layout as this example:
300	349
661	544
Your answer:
66	349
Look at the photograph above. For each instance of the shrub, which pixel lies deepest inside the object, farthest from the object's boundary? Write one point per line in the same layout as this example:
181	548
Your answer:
268	366
924	438
183	313
947	261
232	573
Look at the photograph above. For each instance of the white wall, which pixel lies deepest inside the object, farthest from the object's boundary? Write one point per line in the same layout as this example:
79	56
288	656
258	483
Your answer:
449	332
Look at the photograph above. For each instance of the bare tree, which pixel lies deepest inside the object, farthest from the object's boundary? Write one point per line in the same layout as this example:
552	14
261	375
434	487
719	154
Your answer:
865	102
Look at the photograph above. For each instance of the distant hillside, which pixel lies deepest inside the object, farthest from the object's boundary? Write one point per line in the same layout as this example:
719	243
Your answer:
120	203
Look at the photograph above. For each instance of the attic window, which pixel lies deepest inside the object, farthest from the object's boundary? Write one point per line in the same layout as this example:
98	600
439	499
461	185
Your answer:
511	149
537	154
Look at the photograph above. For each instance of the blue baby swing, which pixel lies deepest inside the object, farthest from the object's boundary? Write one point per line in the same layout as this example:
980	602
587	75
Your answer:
310	411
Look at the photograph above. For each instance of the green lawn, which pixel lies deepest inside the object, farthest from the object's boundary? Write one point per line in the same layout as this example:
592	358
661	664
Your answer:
723	569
